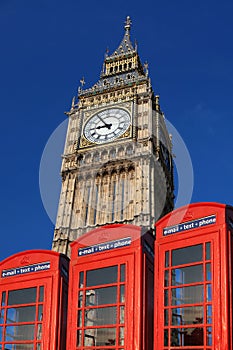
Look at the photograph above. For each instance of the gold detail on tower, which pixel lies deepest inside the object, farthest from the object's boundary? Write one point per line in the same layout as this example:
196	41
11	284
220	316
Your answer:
85	143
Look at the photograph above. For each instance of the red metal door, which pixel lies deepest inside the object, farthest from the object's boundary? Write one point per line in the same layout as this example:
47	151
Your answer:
188	303
103	296
25	315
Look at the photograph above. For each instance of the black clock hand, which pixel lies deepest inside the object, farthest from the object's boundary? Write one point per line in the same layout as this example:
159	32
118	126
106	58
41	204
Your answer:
101	119
102	126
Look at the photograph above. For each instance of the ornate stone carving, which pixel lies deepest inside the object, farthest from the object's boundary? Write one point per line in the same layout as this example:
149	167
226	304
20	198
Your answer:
85	143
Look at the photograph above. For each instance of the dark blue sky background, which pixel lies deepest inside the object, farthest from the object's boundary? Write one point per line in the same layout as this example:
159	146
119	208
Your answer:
47	46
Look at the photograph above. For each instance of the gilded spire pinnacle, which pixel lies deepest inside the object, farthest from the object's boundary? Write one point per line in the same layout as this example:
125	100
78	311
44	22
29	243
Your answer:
128	23
125	46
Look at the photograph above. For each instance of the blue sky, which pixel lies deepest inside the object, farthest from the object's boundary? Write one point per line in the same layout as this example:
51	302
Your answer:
46	48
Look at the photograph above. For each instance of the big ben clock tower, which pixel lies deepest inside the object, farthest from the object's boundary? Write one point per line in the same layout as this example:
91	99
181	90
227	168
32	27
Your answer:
117	164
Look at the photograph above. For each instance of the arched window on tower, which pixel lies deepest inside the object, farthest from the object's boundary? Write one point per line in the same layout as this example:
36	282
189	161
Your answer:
122	194
131	185
113	185
96	157
113	153
96	199
87	200
122	197
129	150
104	155
80	160
113	200
88	158
121	151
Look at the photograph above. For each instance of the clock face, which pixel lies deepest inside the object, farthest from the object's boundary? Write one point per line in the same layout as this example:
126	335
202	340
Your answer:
107	125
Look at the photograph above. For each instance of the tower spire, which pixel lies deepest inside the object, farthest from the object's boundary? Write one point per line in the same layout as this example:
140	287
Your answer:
125	46
128	23
121	65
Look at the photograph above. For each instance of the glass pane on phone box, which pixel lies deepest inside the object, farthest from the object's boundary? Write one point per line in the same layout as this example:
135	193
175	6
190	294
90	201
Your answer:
122	314
122	276
100	337
167	254
187	255
208	272
22	332
122	336
3	298
165	338
208	251
187	315
101	296
80	299
41	294
166	294
81	279
187	336
40	313
166	317
209	335
18	347
39	331
79	338
80	321
22	296
106	275
187	295
209	313
100	316
208	292
122	294
2	316
21	314
166	278
187	275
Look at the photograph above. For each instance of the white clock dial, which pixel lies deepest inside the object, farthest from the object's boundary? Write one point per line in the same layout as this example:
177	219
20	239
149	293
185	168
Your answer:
107	125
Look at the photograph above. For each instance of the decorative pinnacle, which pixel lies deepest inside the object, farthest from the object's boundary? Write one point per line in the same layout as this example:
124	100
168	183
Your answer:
82	81
128	23
146	66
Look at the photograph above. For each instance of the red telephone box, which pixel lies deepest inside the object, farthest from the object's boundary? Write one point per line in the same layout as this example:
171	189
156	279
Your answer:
33	299
193	278
111	290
